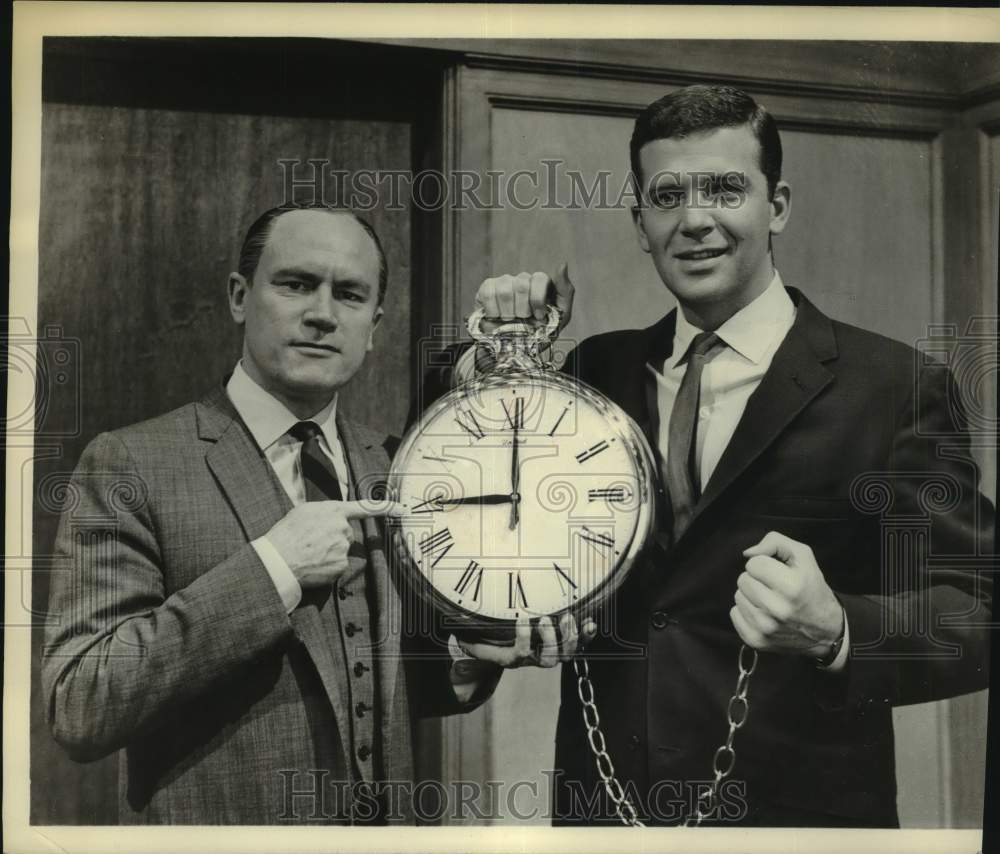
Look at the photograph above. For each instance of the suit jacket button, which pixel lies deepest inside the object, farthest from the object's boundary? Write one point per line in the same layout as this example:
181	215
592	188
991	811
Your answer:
364	752
633	742
351	630
342	593
659	619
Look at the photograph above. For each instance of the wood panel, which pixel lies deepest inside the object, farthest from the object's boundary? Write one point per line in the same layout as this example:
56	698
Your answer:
861	240
920	72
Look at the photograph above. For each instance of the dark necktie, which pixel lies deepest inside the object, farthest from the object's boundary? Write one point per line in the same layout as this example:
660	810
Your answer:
317	471
682	480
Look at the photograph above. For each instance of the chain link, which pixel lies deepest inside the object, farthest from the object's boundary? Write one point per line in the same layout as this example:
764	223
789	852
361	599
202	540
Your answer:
605	767
723	761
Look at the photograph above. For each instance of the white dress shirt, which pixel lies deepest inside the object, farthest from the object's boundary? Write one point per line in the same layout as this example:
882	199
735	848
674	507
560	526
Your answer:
269	421
752	336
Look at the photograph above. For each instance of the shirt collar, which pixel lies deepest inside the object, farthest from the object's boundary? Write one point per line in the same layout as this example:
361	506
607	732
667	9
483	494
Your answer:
267	418
750	332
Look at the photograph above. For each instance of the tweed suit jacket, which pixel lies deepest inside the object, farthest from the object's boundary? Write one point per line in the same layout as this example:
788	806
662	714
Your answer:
172	644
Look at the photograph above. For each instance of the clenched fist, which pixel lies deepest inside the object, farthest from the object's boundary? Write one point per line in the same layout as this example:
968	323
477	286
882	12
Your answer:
525	296
314	537
783	603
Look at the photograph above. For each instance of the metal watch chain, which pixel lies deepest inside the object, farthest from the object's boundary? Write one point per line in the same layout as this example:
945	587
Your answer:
723	761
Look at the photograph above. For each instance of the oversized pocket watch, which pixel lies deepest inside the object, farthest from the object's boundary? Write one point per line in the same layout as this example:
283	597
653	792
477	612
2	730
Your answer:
527	492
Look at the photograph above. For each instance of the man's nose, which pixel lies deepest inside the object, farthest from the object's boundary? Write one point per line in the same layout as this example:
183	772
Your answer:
696	218
322	309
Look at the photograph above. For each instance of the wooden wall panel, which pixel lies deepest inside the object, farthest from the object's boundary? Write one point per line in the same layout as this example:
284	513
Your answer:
861	238
617	286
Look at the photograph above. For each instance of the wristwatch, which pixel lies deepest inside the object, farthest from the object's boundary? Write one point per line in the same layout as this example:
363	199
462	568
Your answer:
824	661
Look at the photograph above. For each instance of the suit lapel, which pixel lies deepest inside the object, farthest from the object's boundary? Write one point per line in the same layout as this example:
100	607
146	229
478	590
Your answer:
243	472
631	386
796	375
259	501
369	470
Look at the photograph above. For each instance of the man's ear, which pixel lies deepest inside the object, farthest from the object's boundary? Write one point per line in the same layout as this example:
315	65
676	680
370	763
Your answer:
781	207
376	320
640	229
239	287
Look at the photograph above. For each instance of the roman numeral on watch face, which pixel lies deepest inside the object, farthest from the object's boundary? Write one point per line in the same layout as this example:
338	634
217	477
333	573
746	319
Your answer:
473	576
611	494
562	572
436	545
431	505
555	426
598	540
592	452
468	423
515	591
516	418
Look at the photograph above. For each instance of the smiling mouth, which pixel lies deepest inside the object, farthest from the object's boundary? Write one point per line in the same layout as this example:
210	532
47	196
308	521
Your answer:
701	254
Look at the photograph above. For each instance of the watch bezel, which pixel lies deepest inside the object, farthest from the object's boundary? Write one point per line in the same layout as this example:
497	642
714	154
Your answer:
501	630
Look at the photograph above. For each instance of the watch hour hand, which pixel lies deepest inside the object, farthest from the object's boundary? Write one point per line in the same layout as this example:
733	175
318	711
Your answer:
515	484
476	499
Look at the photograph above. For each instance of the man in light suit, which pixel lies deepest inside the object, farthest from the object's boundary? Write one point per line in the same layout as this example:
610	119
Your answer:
809	469
226	618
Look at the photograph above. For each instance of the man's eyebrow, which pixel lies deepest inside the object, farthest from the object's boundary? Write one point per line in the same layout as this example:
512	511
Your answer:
296	273
353	283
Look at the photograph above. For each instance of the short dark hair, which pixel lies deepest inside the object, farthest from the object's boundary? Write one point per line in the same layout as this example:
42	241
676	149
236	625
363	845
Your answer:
258	233
700	108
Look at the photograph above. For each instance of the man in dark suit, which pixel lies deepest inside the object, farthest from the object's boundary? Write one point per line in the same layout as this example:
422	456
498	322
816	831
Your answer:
804	487
226	617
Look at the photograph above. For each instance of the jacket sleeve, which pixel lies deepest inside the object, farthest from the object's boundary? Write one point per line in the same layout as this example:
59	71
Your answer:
120	654
925	635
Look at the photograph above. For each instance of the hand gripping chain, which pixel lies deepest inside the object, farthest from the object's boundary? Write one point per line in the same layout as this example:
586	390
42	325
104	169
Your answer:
723	762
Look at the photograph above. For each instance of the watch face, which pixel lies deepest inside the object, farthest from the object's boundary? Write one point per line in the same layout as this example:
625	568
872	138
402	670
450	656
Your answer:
525	493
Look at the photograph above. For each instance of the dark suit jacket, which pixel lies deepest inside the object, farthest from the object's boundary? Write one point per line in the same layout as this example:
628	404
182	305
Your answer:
172	644
842	446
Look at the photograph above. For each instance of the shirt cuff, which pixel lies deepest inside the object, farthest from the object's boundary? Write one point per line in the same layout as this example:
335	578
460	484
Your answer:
840	661
469	674
285	582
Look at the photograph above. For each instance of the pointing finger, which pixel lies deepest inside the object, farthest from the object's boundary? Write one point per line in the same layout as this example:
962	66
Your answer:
369	507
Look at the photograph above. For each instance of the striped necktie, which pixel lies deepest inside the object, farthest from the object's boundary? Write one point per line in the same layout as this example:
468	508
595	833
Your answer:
318	473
